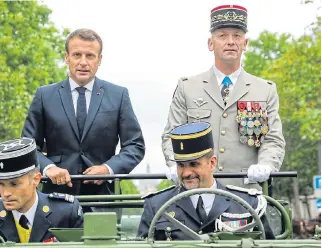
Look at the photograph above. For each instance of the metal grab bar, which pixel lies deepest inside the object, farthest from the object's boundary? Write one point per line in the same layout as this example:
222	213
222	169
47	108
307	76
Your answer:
162	176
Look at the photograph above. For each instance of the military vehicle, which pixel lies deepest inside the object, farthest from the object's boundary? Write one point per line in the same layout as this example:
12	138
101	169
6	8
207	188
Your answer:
106	229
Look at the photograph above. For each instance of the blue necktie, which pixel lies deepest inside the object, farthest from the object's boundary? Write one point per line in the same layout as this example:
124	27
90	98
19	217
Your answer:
81	112
225	89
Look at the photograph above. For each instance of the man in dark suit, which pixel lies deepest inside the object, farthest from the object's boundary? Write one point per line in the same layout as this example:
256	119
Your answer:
81	120
25	213
194	154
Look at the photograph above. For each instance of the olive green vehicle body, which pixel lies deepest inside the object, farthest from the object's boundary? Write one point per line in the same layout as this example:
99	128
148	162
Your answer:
106	229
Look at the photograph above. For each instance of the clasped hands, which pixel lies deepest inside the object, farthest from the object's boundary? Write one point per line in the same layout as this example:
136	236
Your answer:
61	176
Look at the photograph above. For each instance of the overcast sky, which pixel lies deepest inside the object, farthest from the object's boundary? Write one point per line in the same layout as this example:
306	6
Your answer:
149	44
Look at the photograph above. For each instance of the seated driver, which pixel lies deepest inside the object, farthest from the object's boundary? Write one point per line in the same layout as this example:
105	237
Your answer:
193	149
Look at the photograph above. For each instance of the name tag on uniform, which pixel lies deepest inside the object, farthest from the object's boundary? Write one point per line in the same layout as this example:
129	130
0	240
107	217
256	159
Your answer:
236	224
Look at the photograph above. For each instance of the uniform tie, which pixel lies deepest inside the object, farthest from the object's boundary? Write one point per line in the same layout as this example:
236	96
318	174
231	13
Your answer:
81	112
201	212
23	222
225	89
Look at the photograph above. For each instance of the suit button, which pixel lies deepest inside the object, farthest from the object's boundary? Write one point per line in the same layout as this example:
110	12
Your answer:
220	168
200	232
223	132
225	115
222	150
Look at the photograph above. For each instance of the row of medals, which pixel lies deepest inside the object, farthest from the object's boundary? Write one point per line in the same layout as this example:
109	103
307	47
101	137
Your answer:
252	126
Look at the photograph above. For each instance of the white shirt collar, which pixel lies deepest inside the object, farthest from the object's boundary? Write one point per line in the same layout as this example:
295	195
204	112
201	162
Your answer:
74	85
207	199
30	214
220	76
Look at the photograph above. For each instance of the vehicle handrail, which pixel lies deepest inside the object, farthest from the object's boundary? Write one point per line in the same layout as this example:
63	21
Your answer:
163	176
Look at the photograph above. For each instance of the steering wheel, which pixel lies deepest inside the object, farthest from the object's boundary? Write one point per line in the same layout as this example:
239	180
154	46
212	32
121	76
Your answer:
187	230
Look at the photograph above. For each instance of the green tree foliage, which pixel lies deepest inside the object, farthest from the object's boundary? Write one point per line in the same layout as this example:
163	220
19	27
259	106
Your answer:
165	183
295	65
31	51
128	187
262	51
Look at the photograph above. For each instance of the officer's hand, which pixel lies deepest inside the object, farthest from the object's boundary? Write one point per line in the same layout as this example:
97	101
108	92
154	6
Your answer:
172	174
59	176
96	170
258	172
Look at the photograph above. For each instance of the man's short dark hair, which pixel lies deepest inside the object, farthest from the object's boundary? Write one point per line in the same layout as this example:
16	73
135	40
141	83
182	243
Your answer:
84	34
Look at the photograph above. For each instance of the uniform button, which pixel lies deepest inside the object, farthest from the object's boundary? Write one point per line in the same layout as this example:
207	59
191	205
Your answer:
225	115
168	228
223	132
200	232
197	115
222	150
220	168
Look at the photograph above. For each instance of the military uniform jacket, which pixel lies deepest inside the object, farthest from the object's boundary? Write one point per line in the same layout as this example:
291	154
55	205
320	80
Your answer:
50	213
184	211
198	98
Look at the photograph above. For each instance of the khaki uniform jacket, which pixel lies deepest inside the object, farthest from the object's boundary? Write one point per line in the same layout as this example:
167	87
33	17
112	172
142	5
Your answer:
232	155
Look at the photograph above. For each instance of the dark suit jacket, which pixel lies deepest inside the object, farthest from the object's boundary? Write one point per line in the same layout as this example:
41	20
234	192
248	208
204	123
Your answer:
110	118
186	213
61	214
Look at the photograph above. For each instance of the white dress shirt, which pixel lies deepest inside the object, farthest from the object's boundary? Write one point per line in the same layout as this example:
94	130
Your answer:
233	77
88	96
75	94
208	199
30	214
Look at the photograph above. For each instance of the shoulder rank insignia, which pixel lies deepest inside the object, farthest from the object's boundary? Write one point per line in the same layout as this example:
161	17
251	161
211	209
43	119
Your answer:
269	82
245	190
184	78
157	192
66	197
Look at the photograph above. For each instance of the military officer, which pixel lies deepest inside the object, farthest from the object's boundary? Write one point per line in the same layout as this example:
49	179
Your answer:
25	213
242	108
194	154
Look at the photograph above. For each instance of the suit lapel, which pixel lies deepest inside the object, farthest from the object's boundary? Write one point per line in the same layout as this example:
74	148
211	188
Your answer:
212	88
240	89
219	206
66	98
186	205
96	98
41	223
7	226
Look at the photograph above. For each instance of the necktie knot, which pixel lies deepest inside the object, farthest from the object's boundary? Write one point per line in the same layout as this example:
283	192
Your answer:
23	222
81	90
226	81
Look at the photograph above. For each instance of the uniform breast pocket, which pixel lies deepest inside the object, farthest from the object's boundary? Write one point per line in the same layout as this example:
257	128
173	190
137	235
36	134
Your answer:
195	115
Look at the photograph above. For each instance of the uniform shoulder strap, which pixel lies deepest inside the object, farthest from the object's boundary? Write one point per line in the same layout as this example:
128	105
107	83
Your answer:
157	192
251	191
60	196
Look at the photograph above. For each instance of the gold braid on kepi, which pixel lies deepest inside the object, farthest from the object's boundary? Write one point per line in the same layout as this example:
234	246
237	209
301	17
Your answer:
191	141
228	16
17	157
